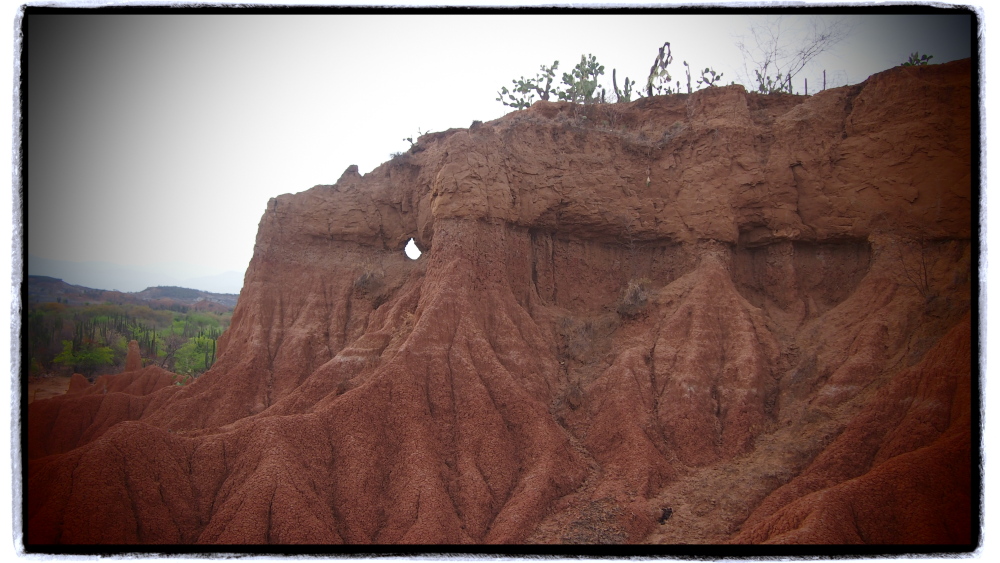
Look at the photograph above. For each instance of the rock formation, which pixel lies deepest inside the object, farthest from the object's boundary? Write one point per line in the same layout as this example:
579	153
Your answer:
133	360
711	318
77	384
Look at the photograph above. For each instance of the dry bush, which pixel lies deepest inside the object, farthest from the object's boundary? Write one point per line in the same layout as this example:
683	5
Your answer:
368	282
635	298
372	277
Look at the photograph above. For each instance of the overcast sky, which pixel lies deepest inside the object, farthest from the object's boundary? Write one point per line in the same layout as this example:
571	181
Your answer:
160	138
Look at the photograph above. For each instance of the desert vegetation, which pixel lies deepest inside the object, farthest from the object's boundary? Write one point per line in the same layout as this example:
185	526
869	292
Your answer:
92	339
770	63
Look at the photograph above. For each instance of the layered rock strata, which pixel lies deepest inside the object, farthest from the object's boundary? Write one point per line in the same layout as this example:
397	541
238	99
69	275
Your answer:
706	318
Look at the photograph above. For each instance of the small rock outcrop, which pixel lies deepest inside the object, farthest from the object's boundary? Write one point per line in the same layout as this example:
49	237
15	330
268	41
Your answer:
754	310
133	360
77	384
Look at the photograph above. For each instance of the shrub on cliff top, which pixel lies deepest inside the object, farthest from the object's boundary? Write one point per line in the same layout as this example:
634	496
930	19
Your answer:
916	59
778	49
770	62
582	86
526	88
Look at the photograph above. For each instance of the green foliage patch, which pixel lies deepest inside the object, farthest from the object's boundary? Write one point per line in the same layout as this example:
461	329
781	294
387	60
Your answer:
93	339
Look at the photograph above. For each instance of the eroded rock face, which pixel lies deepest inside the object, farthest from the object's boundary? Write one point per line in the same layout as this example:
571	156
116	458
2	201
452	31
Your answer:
753	311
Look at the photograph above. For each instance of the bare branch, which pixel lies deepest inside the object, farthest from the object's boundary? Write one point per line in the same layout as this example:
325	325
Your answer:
776	53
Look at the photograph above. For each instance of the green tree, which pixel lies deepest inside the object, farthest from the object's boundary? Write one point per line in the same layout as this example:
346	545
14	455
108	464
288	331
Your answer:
86	358
195	356
48	325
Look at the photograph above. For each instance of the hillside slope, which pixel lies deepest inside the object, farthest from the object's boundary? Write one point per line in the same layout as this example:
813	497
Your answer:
706	318
44	289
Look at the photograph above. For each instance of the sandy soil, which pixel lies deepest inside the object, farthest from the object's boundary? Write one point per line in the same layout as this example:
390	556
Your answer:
45	387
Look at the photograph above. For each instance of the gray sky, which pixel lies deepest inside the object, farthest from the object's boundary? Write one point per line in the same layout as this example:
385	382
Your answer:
160	138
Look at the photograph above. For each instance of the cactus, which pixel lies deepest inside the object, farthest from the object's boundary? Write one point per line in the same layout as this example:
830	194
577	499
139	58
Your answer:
768	85
623	95
528	87
916	59
659	70
709	78
582	81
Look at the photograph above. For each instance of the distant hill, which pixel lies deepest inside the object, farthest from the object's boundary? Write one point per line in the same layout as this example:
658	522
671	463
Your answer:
172	292
131	278
44	289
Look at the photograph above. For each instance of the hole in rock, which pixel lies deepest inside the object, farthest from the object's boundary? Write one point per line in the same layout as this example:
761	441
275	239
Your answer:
412	252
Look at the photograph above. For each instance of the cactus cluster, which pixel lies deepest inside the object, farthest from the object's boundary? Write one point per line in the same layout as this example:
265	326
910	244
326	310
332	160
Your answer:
916	59
525	88
581	85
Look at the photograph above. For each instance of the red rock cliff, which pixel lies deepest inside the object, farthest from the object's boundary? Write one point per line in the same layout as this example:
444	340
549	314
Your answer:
753	311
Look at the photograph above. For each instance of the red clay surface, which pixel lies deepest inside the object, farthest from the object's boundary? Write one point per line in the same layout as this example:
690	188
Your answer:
752	311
